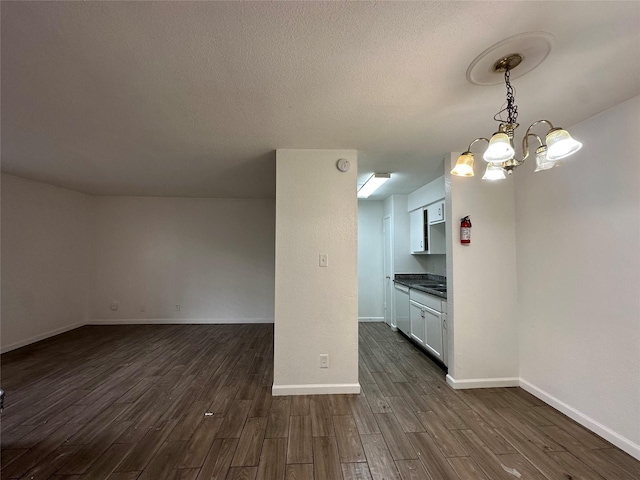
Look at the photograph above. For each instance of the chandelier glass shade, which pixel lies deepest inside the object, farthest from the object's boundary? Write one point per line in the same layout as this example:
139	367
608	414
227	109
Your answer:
464	165
560	144
494	171
499	149
500	152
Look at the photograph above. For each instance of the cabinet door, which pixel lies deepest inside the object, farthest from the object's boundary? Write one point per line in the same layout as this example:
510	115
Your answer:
436	213
417	324
417	230
433	325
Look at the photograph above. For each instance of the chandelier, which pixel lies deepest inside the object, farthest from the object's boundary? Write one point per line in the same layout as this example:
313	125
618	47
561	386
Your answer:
500	152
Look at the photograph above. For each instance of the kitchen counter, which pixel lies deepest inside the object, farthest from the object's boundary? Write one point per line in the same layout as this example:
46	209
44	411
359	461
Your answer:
426	282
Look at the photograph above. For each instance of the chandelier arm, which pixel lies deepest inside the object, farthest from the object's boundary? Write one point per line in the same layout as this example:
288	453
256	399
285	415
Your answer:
525	144
476	140
538	122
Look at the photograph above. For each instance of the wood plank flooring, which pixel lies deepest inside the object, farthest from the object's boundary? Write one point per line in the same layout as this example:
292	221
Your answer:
193	402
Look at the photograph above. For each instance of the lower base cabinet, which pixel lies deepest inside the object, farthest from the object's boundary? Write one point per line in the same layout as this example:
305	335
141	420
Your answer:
428	318
434	341
418	327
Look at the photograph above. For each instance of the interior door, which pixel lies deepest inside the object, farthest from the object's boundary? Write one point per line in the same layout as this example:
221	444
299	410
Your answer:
387	271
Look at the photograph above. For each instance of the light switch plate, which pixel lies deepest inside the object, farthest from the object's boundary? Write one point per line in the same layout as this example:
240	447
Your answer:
324	360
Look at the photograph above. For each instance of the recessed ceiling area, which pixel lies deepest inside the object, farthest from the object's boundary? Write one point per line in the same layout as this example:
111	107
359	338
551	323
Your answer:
192	98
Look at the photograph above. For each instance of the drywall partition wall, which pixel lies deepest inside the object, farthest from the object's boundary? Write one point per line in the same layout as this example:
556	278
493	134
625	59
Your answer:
481	276
316	308
183	260
370	261
578	233
45	260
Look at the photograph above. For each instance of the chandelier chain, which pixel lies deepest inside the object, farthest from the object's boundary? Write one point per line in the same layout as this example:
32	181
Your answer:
511	108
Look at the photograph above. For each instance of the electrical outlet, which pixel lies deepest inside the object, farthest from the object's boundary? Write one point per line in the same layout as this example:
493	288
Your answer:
114	305
324	260
177	307
324	360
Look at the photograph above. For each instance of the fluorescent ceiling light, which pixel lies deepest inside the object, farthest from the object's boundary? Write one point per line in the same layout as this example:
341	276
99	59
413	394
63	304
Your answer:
371	185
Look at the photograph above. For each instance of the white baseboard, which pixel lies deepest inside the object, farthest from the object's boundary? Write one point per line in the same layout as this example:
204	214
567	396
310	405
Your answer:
371	319
584	420
37	338
175	321
317	389
483	382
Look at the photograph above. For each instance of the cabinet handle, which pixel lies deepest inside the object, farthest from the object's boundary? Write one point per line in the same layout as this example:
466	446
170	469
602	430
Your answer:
388	277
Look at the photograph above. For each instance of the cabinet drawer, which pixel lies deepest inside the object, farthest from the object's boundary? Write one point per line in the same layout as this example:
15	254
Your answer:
425	299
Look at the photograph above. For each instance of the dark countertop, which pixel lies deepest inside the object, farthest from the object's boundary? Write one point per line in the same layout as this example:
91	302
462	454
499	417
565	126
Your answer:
425	282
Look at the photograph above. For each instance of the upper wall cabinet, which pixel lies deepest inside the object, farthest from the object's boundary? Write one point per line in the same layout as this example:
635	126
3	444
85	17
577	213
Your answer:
427	218
426	237
426	195
436	212
419	230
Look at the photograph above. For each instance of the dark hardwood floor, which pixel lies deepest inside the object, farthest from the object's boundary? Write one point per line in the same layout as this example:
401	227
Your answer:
193	402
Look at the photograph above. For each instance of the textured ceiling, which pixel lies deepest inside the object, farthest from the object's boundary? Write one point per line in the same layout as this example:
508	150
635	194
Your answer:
192	99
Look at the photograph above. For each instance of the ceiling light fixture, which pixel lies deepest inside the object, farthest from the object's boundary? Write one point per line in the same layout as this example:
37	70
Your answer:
375	181
500	152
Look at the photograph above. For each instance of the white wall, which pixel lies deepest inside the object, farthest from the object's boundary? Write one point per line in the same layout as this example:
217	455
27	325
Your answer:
578	232
370	261
214	257
481	278
45	260
316	308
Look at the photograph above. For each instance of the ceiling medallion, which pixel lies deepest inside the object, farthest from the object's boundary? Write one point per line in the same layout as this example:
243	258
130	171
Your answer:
532	47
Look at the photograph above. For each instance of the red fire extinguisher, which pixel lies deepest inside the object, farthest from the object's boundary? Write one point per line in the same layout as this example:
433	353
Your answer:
465	230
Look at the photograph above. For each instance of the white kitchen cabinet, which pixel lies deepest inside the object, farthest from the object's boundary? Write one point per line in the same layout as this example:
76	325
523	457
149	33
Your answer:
427	238
418	231
428	316
434	333
436	212
418	325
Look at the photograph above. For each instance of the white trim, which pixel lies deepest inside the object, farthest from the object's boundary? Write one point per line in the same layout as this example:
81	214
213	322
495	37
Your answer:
37	338
371	319
174	321
315	389
483	382
584	420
